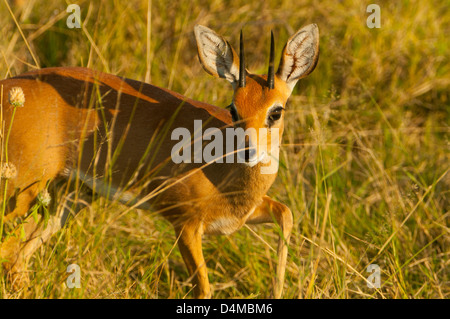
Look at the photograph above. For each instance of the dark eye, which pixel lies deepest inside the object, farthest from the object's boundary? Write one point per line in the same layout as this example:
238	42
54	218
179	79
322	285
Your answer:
274	115
234	115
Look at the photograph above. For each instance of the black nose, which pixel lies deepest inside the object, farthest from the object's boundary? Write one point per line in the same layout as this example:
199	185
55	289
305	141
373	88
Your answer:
250	153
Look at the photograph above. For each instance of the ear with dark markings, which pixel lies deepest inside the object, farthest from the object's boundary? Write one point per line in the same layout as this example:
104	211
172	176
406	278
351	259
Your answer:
216	55
300	55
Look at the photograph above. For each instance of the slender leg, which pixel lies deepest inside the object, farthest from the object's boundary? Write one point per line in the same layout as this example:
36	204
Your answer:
270	211
11	245
20	246
190	245
23	202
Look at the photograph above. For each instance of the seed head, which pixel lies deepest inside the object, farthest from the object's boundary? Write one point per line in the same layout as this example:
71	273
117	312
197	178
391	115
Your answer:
44	198
8	171
16	97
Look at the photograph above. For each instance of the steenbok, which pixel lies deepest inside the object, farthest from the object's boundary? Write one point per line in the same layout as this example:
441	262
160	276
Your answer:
121	139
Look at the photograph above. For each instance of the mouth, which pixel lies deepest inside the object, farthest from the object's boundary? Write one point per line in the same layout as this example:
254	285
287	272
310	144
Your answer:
252	162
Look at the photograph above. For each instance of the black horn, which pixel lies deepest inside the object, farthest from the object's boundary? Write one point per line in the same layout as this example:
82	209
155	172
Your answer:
241	63
271	73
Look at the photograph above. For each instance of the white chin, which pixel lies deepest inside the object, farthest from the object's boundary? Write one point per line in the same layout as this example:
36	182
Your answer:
256	160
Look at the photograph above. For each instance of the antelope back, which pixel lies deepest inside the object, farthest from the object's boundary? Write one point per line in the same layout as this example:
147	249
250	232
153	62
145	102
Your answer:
98	127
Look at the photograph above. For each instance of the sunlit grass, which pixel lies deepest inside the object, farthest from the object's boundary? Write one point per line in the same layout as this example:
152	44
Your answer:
364	163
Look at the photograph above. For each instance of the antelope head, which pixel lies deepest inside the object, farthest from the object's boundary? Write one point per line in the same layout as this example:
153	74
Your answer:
259	101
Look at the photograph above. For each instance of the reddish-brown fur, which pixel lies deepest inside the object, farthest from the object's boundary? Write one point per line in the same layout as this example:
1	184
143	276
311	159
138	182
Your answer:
75	119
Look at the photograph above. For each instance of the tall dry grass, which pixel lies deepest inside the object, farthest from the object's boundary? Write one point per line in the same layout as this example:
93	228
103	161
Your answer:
365	154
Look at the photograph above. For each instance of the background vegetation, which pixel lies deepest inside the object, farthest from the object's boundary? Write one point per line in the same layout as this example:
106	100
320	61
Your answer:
365	155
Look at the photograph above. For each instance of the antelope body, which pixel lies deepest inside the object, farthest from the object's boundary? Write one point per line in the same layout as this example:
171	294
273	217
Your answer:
114	136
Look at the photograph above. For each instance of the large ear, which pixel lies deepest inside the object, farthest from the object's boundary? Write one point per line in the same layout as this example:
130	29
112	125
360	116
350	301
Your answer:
216	55
300	55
